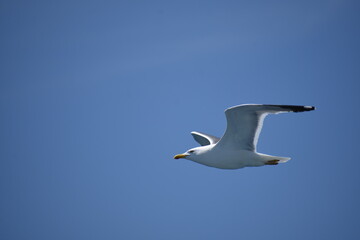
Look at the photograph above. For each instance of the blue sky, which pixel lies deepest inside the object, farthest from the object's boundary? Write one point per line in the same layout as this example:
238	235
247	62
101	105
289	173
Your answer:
96	97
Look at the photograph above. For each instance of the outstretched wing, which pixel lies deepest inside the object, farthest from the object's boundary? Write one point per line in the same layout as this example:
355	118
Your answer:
204	139
244	123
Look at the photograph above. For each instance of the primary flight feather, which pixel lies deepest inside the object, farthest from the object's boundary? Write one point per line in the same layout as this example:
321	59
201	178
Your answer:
237	148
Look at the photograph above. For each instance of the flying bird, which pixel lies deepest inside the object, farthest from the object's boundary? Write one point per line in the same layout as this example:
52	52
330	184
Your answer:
237	148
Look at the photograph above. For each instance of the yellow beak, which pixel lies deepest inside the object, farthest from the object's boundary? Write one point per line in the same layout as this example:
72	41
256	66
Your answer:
180	156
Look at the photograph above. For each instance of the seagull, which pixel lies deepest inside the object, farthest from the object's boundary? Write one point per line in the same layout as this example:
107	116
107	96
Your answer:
237	148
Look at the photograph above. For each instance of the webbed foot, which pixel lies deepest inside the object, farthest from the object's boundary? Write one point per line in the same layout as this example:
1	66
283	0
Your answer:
272	162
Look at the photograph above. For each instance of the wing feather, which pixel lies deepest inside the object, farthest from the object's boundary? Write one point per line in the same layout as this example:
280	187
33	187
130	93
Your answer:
244	123
204	139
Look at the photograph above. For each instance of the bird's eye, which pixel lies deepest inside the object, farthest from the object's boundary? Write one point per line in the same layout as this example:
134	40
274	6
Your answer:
191	151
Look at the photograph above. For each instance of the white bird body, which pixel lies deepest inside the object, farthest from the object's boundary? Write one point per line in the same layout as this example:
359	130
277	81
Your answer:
232	158
237	148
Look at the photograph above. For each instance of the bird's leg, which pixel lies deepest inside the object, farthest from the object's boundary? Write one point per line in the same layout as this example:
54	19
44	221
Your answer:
272	162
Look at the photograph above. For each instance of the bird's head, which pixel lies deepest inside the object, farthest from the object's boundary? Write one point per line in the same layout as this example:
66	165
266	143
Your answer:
193	153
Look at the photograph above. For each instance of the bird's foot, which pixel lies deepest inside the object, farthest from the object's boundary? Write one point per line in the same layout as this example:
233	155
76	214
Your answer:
272	162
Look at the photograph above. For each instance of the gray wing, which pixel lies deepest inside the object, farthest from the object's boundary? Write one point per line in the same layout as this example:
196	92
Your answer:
204	139
244	123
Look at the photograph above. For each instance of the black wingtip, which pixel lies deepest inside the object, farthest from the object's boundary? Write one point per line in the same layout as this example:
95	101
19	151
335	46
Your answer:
295	108
309	108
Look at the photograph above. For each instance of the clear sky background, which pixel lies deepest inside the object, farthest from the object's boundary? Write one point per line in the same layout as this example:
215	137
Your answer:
96	97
